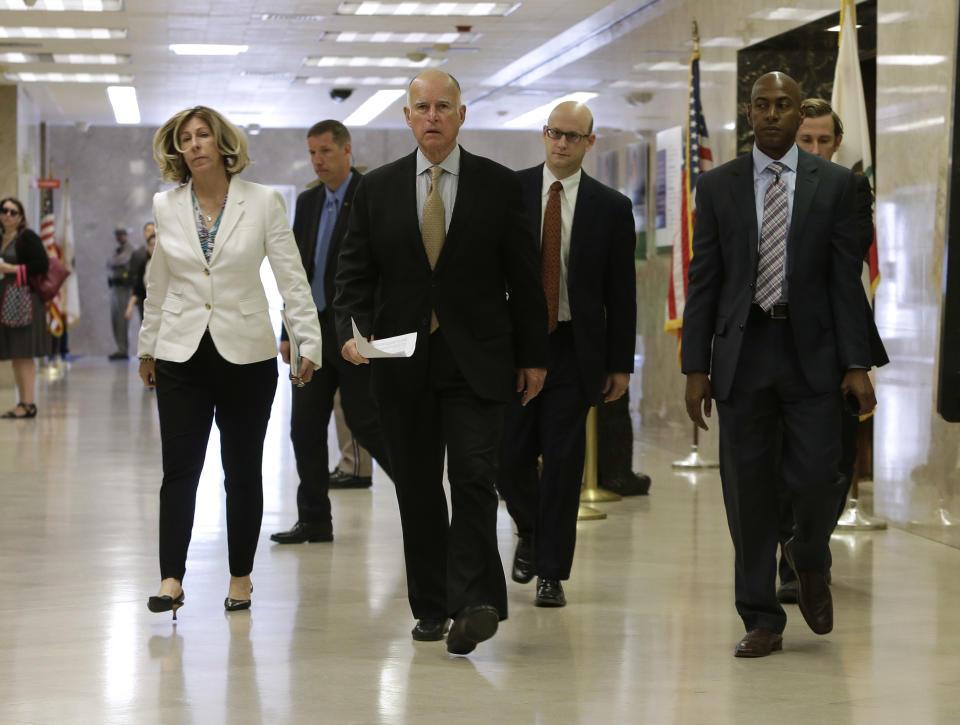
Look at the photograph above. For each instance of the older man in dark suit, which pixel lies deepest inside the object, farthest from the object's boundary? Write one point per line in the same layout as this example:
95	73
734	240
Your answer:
438	245
319	227
774	328
587	242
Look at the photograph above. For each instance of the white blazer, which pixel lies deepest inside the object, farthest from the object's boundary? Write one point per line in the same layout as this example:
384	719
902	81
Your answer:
186	294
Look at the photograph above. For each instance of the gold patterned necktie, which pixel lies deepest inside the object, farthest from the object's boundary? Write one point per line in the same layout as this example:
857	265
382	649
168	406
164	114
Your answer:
433	228
550	259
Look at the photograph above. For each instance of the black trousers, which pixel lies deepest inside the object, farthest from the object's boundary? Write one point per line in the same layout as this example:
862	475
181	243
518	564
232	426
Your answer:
551	425
310	411
451	562
774	428
190	395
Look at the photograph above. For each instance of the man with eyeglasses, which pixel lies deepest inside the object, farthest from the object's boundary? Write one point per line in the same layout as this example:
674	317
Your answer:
586	236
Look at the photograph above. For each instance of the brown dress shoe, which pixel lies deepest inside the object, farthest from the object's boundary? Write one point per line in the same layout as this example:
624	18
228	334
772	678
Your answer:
758	643
813	595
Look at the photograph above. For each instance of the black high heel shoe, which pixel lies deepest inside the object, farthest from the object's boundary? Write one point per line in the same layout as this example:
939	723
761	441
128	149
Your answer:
165	603
235	605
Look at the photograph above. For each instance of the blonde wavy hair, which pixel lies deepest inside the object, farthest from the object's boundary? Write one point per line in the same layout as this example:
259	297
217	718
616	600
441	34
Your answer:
231	143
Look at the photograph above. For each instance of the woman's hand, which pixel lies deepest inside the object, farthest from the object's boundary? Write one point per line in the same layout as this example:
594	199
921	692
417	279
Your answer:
148	373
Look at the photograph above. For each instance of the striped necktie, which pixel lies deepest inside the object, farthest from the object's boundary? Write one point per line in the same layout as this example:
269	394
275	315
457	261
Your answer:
773	241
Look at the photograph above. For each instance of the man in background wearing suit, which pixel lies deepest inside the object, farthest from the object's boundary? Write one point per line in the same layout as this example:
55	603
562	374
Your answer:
775	329
438	245
587	241
319	227
820	134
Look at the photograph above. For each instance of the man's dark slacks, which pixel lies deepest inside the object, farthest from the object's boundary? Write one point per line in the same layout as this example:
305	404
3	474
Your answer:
451	563
190	395
552	424
772	418
310	409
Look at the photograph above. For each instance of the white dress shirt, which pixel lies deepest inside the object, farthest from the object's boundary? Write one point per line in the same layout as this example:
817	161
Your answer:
568	202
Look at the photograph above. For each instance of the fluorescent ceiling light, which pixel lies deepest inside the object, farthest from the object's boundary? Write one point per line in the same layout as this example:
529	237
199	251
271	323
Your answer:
911	90
672	65
386	37
358	61
69	77
124	102
800	14
91	58
895	17
19	58
207	49
597	31
657	85
63	33
373	107
73	6
910	59
357	81
437	9
913	125
538	116
836	28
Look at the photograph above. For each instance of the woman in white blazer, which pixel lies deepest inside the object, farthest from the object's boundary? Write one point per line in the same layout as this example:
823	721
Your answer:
206	341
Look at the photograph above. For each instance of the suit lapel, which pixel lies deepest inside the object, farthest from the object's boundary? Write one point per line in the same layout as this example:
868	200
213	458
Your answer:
583	220
467	189
236	199
744	200
532	185
313	226
803	193
188	222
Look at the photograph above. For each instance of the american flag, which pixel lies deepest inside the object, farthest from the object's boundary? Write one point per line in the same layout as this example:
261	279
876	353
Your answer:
48	237
697	158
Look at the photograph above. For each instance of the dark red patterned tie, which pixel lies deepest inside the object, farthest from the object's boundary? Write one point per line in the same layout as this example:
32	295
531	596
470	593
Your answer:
550	248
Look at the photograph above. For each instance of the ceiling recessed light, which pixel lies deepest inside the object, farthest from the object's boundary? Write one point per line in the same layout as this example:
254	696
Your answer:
373	107
19	58
538	116
68	77
356	81
358	61
435	9
20	31
207	49
124	102
91	58
72	6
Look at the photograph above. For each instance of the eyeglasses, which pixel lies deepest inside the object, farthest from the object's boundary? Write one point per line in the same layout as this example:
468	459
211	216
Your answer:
572	136
10	212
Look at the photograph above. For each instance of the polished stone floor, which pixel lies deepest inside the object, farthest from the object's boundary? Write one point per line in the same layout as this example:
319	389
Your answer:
647	637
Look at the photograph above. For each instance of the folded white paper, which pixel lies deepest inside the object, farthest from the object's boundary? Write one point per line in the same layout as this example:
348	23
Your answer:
399	346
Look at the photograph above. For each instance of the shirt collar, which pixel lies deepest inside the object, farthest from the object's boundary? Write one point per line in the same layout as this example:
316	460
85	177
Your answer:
570	184
341	191
761	161
451	164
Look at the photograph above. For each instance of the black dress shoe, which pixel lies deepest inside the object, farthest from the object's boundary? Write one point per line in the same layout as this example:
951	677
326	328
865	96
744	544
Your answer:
787	592
339	479
813	595
758	643
523	560
550	593
633	484
118	356
472	625
302	532
429	630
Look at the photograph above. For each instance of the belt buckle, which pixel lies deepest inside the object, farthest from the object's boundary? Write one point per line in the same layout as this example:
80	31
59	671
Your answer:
778	311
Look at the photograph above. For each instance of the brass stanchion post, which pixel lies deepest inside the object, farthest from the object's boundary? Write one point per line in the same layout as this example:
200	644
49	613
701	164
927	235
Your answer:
586	513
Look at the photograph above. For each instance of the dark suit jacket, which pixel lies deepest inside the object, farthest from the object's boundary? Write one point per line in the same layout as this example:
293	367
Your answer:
827	315
306	222
601	279
865	235
384	280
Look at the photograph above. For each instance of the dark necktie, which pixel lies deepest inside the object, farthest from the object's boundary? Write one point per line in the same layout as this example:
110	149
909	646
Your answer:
550	249
773	241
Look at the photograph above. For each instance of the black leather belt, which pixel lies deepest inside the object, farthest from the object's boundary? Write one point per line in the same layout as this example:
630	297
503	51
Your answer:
779	311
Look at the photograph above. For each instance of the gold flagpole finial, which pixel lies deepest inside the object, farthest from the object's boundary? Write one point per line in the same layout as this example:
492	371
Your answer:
696	37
